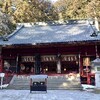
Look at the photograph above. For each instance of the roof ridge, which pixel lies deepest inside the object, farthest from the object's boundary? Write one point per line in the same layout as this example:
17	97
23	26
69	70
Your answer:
13	33
53	23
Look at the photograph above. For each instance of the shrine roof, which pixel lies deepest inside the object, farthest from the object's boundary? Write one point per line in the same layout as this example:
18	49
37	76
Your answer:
51	33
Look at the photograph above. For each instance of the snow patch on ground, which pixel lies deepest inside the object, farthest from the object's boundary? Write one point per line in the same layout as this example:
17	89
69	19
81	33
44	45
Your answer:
4	86
50	95
88	87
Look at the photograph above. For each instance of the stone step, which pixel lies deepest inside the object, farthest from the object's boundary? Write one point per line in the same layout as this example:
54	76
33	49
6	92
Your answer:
64	88
54	88
48	79
48	87
18	87
48	83
53	82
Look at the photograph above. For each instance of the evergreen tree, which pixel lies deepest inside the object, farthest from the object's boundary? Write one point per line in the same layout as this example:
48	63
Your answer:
93	8
6	25
30	10
78	8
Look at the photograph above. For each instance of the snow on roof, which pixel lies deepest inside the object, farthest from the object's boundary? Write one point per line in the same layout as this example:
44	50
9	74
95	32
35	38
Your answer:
34	34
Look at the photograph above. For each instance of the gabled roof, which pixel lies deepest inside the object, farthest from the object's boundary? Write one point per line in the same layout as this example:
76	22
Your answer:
55	33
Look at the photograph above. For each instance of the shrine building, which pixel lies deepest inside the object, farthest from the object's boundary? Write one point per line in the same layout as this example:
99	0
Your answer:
51	48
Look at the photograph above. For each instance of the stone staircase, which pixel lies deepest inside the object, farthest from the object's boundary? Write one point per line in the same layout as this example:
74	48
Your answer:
64	82
53	82
20	82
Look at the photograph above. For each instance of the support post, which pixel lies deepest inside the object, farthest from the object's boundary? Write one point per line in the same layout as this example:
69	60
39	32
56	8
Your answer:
37	63
96	50
0	59
79	63
58	64
17	64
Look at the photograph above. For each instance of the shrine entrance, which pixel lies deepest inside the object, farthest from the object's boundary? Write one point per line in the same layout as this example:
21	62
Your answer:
49	64
46	64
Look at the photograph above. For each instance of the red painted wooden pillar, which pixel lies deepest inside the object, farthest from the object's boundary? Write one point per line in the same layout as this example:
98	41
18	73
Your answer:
1	63
80	64
88	79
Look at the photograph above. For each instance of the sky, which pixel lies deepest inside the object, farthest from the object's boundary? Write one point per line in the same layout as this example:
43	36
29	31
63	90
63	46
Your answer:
53	0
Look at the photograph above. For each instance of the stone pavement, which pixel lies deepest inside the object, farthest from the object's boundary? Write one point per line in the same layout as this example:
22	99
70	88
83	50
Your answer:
50	95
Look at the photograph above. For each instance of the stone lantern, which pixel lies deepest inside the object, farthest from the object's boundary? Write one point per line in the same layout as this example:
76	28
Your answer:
96	65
